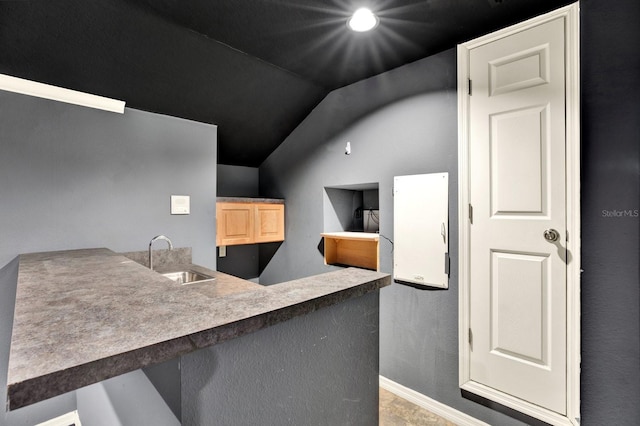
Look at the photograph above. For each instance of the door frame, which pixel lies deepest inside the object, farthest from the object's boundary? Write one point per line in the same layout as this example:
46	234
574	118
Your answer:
570	14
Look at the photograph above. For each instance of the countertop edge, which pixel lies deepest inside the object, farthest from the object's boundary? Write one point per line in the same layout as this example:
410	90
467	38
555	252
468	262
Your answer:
230	331
26	392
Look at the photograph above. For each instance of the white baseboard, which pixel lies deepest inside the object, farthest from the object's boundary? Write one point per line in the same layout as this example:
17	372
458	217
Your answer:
442	410
70	418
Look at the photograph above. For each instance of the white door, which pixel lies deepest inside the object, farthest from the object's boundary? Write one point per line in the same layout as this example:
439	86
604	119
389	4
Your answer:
517	194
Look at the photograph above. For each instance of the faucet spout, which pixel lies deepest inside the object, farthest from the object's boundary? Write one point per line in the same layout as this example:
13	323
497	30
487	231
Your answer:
159	237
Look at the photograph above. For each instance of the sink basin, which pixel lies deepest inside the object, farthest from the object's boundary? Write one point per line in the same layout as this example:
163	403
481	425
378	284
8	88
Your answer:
188	277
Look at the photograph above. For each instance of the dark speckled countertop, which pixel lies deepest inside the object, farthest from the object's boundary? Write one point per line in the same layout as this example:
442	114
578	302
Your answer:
82	316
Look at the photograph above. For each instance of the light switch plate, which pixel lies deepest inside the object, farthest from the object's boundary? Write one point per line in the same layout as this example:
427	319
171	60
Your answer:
180	204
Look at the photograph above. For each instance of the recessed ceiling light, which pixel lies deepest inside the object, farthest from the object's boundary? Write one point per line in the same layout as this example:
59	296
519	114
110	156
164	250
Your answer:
363	20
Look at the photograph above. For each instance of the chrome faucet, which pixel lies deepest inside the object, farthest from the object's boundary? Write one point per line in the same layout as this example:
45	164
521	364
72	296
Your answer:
159	237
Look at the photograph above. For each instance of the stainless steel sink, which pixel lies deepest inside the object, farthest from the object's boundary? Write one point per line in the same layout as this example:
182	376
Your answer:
188	277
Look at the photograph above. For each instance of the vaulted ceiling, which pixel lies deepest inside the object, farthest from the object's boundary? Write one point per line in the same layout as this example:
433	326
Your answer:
255	68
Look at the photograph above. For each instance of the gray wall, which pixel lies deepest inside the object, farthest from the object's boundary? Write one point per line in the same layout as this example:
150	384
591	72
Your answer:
118	401
238	181
401	122
404	122
74	177
317	369
611	181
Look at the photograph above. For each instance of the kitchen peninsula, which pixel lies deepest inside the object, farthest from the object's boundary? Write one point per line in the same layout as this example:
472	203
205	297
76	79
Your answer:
83	316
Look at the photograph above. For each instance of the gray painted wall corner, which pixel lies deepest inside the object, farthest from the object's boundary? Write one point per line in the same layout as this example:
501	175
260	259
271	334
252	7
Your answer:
74	177
399	123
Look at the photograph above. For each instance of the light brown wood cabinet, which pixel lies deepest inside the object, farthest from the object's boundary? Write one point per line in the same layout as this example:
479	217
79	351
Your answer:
359	249
269	222
247	222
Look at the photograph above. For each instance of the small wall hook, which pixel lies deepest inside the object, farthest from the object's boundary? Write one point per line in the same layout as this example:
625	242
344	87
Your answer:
347	149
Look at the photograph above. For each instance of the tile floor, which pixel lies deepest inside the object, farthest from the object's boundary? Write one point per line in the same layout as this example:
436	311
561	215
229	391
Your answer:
396	411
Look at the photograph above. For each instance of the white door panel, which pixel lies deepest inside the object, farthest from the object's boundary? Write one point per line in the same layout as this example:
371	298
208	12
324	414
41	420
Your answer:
518	321
526	68
518	162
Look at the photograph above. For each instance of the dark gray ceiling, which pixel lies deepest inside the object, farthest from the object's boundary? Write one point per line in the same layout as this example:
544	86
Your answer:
255	68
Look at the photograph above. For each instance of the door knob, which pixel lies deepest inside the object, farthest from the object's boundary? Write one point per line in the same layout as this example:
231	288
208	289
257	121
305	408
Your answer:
551	235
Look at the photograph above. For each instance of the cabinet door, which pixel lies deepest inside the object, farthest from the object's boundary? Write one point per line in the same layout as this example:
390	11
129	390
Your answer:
234	224
269	223
420	225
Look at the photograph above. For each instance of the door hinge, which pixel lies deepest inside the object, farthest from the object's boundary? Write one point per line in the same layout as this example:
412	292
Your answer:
446	263
470	338
469	80
471	214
